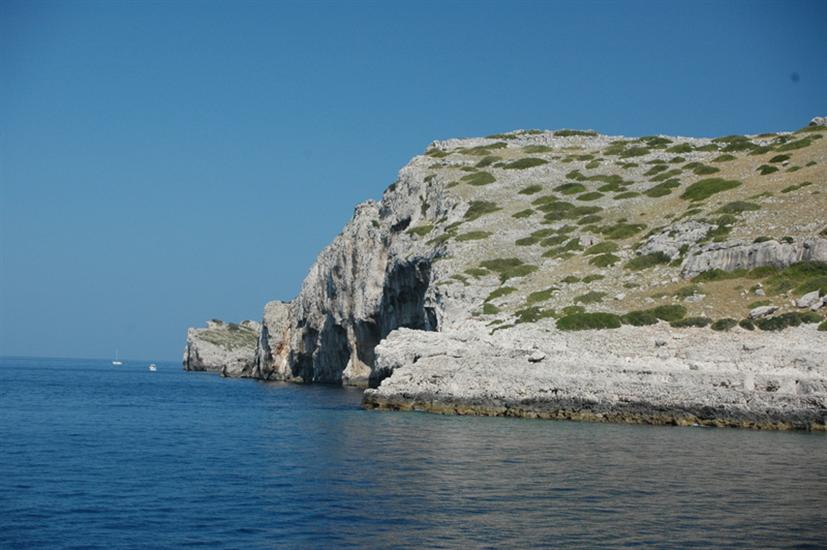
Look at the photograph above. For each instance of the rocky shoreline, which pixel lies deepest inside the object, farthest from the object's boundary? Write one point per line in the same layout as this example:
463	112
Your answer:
654	375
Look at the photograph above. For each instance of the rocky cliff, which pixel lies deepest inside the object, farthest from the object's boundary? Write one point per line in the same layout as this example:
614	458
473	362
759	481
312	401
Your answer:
543	234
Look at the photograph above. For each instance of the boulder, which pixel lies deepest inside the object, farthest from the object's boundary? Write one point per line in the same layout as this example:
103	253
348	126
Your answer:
808	300
762	311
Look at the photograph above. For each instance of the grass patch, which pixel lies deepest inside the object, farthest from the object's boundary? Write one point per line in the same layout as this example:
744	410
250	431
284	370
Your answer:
626	195
602	248
523	213
531	189
473	236
663	176
500	292
572	133
705	188
796	187
570	188
779	158
477	209
662	189
508	268
478	178
537	149
541	295
691	322
487	161
490	309
766	169
639	318
421	230
621	230
532	314
604	260
647	260
589	321
724	325
592	297
592	196
523	163
738	207
476	272
680	148
726	157
793	145
669	313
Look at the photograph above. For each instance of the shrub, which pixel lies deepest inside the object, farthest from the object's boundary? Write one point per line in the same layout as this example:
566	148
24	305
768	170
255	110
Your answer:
793	145
537	149
662	189
592	297
823	326
704	170
589	321
476	272
766	169
523	213
688	291
621	230
639	318
724	158
779	158
474	236
499	292
531	189
527	162
541	295
508	267
487	161
490	309
667	175
570	133
796	187
532	314
477	209
421	230
570	188
604	260
669	313
703	189
746	324
680	148
772	323
724	324
478	178
737	207
593	277
602	248
592	196
698	322
647	260
626	195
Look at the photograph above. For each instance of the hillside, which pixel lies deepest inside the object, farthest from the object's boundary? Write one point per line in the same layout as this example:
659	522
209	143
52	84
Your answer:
570	248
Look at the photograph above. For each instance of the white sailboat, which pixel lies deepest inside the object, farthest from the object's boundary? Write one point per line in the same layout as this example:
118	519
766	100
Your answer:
152	367
117	361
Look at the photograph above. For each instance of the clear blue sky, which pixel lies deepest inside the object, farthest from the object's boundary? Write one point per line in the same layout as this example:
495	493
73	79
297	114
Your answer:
163	163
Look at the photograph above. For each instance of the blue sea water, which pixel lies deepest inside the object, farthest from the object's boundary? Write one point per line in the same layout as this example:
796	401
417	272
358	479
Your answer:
98	456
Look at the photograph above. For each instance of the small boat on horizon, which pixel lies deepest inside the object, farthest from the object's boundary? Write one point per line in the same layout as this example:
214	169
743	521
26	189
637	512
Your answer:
117	361
152	367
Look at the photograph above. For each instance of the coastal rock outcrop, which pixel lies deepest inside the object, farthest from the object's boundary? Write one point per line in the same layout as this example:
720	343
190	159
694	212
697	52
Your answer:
651	375
480	279
226	348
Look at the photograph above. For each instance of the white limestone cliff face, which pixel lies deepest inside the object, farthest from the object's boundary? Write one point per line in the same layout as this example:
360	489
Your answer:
730	256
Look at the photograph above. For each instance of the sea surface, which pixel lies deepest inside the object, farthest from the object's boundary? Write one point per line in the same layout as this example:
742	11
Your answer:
98	456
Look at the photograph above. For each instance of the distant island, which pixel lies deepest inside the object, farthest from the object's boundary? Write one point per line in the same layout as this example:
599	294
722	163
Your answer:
573	275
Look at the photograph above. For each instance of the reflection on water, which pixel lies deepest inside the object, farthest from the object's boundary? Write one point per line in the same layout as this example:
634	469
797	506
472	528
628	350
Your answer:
122	457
